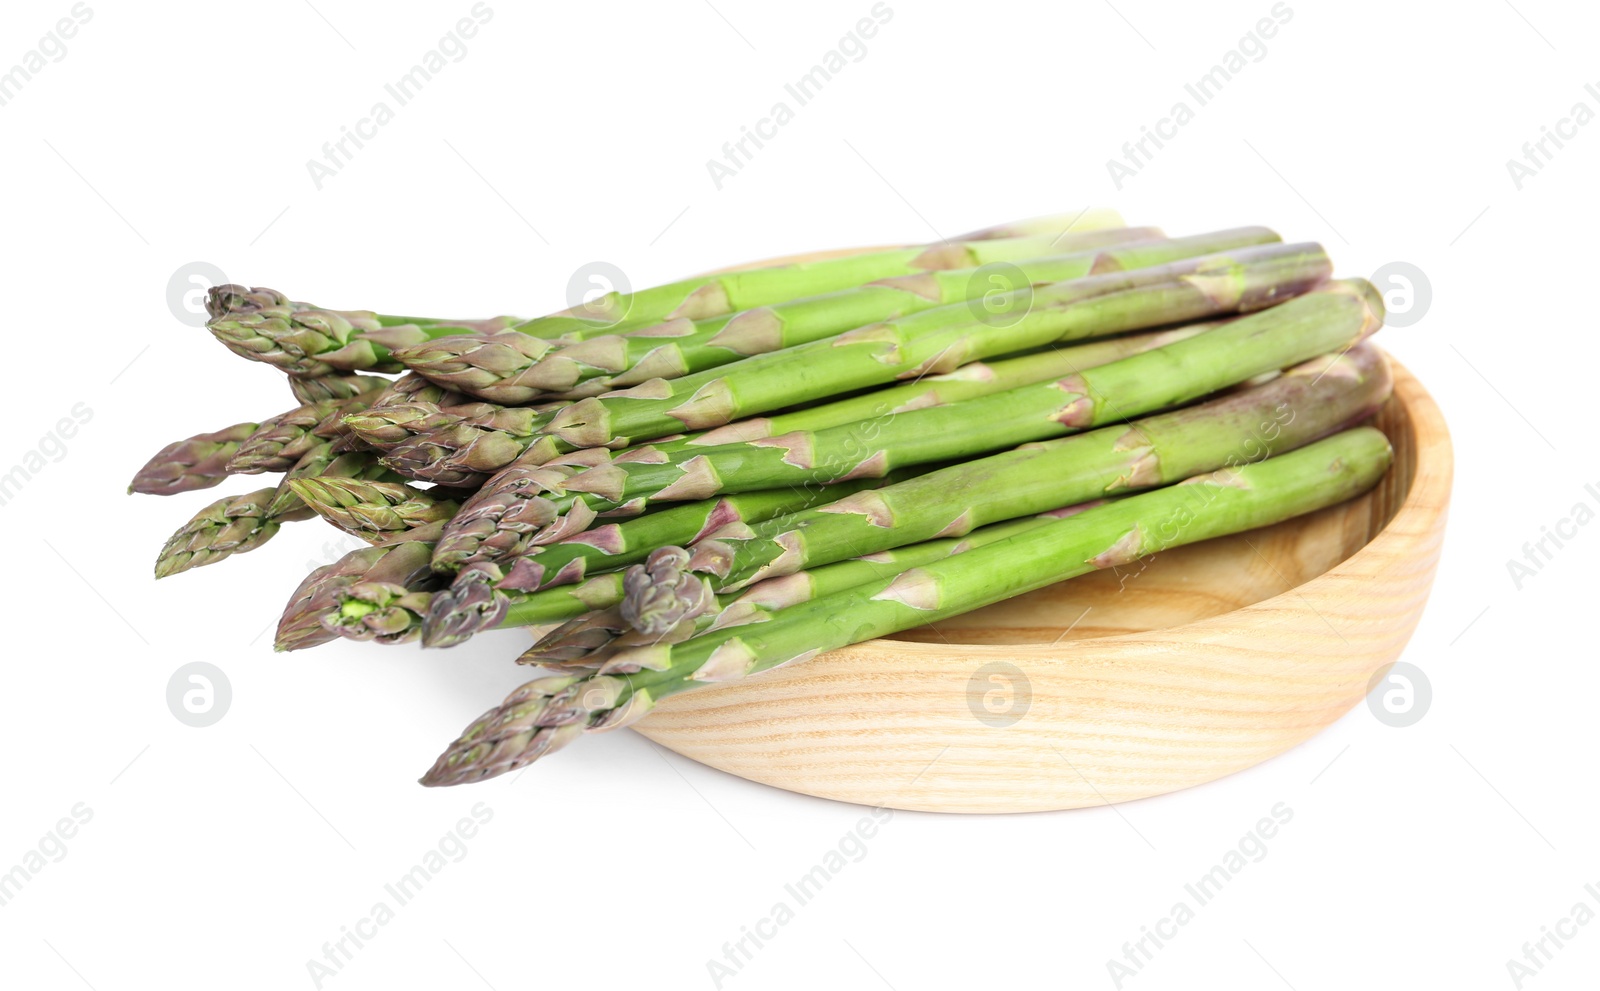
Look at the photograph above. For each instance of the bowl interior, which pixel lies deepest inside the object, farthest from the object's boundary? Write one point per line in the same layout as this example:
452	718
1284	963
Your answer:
1198	581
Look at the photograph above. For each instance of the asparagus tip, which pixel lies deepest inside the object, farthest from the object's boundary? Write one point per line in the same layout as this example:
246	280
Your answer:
470	605
661	593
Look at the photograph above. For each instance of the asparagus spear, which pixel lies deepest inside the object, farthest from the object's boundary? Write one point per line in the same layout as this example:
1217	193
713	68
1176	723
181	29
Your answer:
304	340
585	642
310	342
390	606
363	506
231	525
611	546
415	436
314	613
321	387
280	441
236	524
602	365
511	371
229	298
729	292
236	300
944	338
490	525
197	462
386	426
479	606
412	387
1328	319
660	593
970	381
606	547
1322	474
546	714
1310	401
409	387
1317	396
932	341
323	462
478	599
400	417
411	431
387	612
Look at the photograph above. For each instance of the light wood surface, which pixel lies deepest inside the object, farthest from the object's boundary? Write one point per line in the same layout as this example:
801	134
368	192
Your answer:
1205	661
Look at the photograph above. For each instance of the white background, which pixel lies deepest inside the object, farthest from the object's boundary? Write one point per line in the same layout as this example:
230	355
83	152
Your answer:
227	856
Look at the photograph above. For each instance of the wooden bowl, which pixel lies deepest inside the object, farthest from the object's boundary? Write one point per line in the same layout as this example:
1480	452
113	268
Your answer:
1198	662
1185	667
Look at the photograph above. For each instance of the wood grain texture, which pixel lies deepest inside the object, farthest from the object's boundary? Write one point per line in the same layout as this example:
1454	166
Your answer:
1191	665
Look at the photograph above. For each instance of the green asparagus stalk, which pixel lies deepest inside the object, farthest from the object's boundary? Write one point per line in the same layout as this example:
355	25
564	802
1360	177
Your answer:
197	462
235	300
490	526
225	300
1328	319
411	430
729	292
1332	318
585	642
500	609
506	370
494	366
1310	401
930	342
970	381
482	593
592	549
942	339
546	714
447	618
602	365
303	340
393	612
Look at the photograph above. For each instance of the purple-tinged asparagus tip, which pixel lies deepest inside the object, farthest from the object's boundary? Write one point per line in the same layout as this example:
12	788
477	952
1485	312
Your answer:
539	718
197	462
469	606
228	300
661	593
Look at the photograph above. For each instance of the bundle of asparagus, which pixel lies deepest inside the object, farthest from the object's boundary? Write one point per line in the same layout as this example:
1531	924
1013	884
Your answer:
700	481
